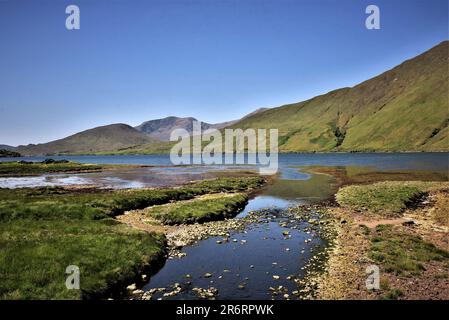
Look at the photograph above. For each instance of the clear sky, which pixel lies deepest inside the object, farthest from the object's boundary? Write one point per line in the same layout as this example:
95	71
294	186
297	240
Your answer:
215	60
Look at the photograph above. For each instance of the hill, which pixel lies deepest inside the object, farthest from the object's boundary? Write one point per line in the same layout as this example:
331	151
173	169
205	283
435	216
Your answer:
160	129
112	137
403	109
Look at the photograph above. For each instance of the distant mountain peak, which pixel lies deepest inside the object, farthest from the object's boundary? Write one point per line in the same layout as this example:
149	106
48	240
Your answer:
160	129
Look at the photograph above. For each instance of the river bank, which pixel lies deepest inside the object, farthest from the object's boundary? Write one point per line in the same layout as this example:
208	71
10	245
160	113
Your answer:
404	234
44	230
289	241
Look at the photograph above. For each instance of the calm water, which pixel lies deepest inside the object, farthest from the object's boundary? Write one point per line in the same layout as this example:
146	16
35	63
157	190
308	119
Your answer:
240	270
438	160
170	175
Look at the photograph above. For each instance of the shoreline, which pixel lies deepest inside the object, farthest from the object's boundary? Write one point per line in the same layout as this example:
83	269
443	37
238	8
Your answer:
280	152
344	272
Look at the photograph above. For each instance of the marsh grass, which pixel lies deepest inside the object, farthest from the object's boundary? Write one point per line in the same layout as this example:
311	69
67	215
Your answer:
44	230
60	203
401	253
21	168
387	198
35	254
211	207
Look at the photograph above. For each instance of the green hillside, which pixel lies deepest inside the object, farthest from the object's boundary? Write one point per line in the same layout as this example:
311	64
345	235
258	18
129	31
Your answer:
403	109
112	137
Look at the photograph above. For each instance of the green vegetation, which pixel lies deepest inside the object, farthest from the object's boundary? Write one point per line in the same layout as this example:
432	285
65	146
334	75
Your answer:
387	198
35	255
44	230
393	294
46	166
363	175
376	115
112	137
390	293
8	153
402	253
440	212
206	208
59	203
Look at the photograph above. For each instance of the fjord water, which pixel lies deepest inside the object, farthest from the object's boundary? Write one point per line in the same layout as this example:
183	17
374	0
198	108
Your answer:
241	269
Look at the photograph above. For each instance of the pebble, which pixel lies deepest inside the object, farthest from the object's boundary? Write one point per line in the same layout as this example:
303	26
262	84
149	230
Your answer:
131	287
136	292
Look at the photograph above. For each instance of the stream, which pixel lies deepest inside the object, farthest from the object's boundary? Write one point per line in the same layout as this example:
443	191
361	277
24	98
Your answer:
263	260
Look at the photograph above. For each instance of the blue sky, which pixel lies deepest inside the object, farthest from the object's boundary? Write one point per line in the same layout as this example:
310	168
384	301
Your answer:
215	60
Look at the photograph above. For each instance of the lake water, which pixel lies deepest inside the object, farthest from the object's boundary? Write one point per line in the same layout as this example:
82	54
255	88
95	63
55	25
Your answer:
241	269
171	175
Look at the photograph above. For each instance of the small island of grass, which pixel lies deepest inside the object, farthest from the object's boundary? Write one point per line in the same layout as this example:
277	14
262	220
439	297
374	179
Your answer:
9	154
26	168
204	208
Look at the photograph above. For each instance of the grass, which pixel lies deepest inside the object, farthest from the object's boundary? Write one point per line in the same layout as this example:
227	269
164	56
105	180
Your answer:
440	212
60	203
393	294
35	255
347	175
44	230
47	166
402	253
388	198
210	207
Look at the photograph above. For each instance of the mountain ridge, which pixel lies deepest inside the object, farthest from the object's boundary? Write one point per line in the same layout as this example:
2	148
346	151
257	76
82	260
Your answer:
402	109
405	108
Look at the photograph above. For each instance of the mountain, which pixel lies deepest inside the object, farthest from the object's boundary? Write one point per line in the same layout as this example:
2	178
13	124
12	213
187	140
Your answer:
160	129
6	147
104	138
403	109
150	137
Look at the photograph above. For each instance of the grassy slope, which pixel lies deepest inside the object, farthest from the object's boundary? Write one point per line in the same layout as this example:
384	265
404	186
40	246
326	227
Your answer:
405	108
100	139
